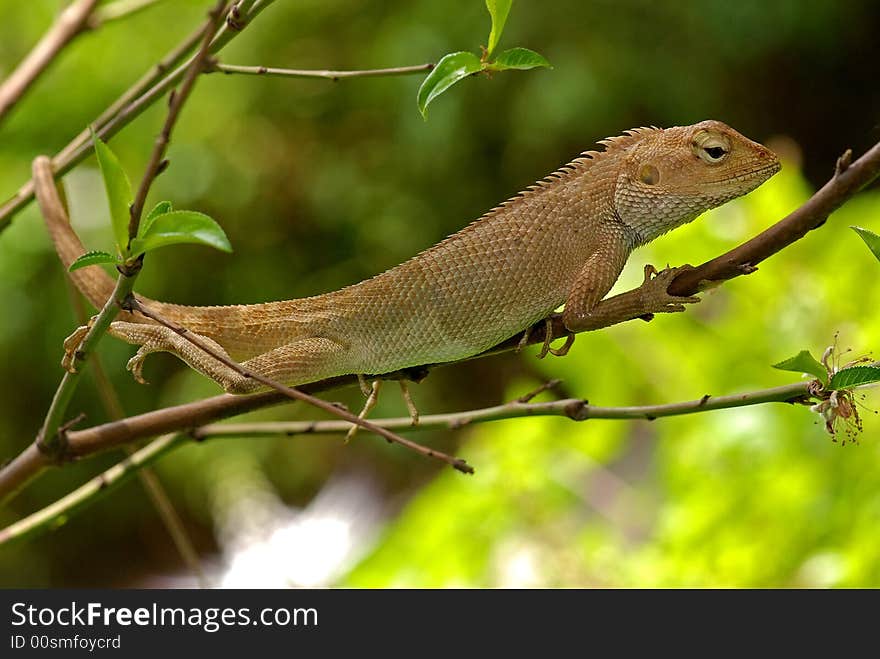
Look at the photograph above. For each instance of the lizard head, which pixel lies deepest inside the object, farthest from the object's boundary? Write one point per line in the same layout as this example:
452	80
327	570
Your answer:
670	176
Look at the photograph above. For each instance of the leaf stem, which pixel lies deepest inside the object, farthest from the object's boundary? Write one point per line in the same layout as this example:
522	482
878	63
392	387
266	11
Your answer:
315	73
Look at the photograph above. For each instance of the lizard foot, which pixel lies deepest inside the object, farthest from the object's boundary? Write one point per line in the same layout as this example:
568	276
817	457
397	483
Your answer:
136	363
654	294
548	338
71	347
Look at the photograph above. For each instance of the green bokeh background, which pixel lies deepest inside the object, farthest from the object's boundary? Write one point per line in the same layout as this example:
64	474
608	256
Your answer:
321	184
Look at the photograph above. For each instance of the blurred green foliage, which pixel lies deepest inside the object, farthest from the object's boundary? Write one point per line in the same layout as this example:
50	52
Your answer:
321	184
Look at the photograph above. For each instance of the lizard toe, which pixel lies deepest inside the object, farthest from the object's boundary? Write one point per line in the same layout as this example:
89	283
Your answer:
136	364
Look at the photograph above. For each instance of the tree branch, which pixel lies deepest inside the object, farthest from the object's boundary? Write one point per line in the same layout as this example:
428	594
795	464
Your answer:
69	24
572	408
311	73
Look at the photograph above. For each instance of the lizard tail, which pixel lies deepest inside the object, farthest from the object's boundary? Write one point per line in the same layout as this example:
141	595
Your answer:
92	281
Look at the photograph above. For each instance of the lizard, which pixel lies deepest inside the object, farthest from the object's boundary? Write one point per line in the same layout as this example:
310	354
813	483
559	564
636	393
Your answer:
565	239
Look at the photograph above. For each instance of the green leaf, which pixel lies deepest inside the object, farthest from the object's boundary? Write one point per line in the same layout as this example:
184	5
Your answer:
181	227
872	240
118	191
854	376
518	58
159	209
92	258
804	362
449	70
498	10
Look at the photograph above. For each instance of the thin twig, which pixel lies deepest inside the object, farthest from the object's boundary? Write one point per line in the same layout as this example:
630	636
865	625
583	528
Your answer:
547	386
575	409
178	98
69	24
69	505
295	394
143	94
314	73
116	10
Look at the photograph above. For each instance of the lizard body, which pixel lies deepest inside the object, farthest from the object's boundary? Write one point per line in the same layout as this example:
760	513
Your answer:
564	239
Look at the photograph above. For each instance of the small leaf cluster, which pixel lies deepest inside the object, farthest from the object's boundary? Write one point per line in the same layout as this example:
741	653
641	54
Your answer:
455	67
847	377
833	388
162	226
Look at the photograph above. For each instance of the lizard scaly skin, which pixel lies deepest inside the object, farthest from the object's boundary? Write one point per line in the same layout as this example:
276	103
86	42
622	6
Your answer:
563	240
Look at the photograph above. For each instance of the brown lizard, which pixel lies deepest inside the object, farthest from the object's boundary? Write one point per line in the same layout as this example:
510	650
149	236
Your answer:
563	240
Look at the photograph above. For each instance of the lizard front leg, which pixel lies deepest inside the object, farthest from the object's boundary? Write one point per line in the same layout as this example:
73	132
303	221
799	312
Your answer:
649	298
596	278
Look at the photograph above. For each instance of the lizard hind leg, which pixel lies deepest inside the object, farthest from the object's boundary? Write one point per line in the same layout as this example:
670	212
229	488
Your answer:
297	362
156	338
372	395
372	399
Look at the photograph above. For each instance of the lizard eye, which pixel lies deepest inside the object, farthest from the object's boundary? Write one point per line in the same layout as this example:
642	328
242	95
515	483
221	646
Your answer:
714	153
710	147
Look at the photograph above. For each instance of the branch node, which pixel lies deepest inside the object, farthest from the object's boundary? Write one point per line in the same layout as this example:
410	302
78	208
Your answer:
235	20
577	410
130	269
843	163
128	303
56	451
462	466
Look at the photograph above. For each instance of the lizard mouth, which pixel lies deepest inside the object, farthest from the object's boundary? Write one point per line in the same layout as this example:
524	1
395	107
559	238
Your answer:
762	173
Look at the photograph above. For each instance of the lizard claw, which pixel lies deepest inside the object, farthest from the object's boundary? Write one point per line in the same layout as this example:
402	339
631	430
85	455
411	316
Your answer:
563	351
71	347
136	364
548	338
655	295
